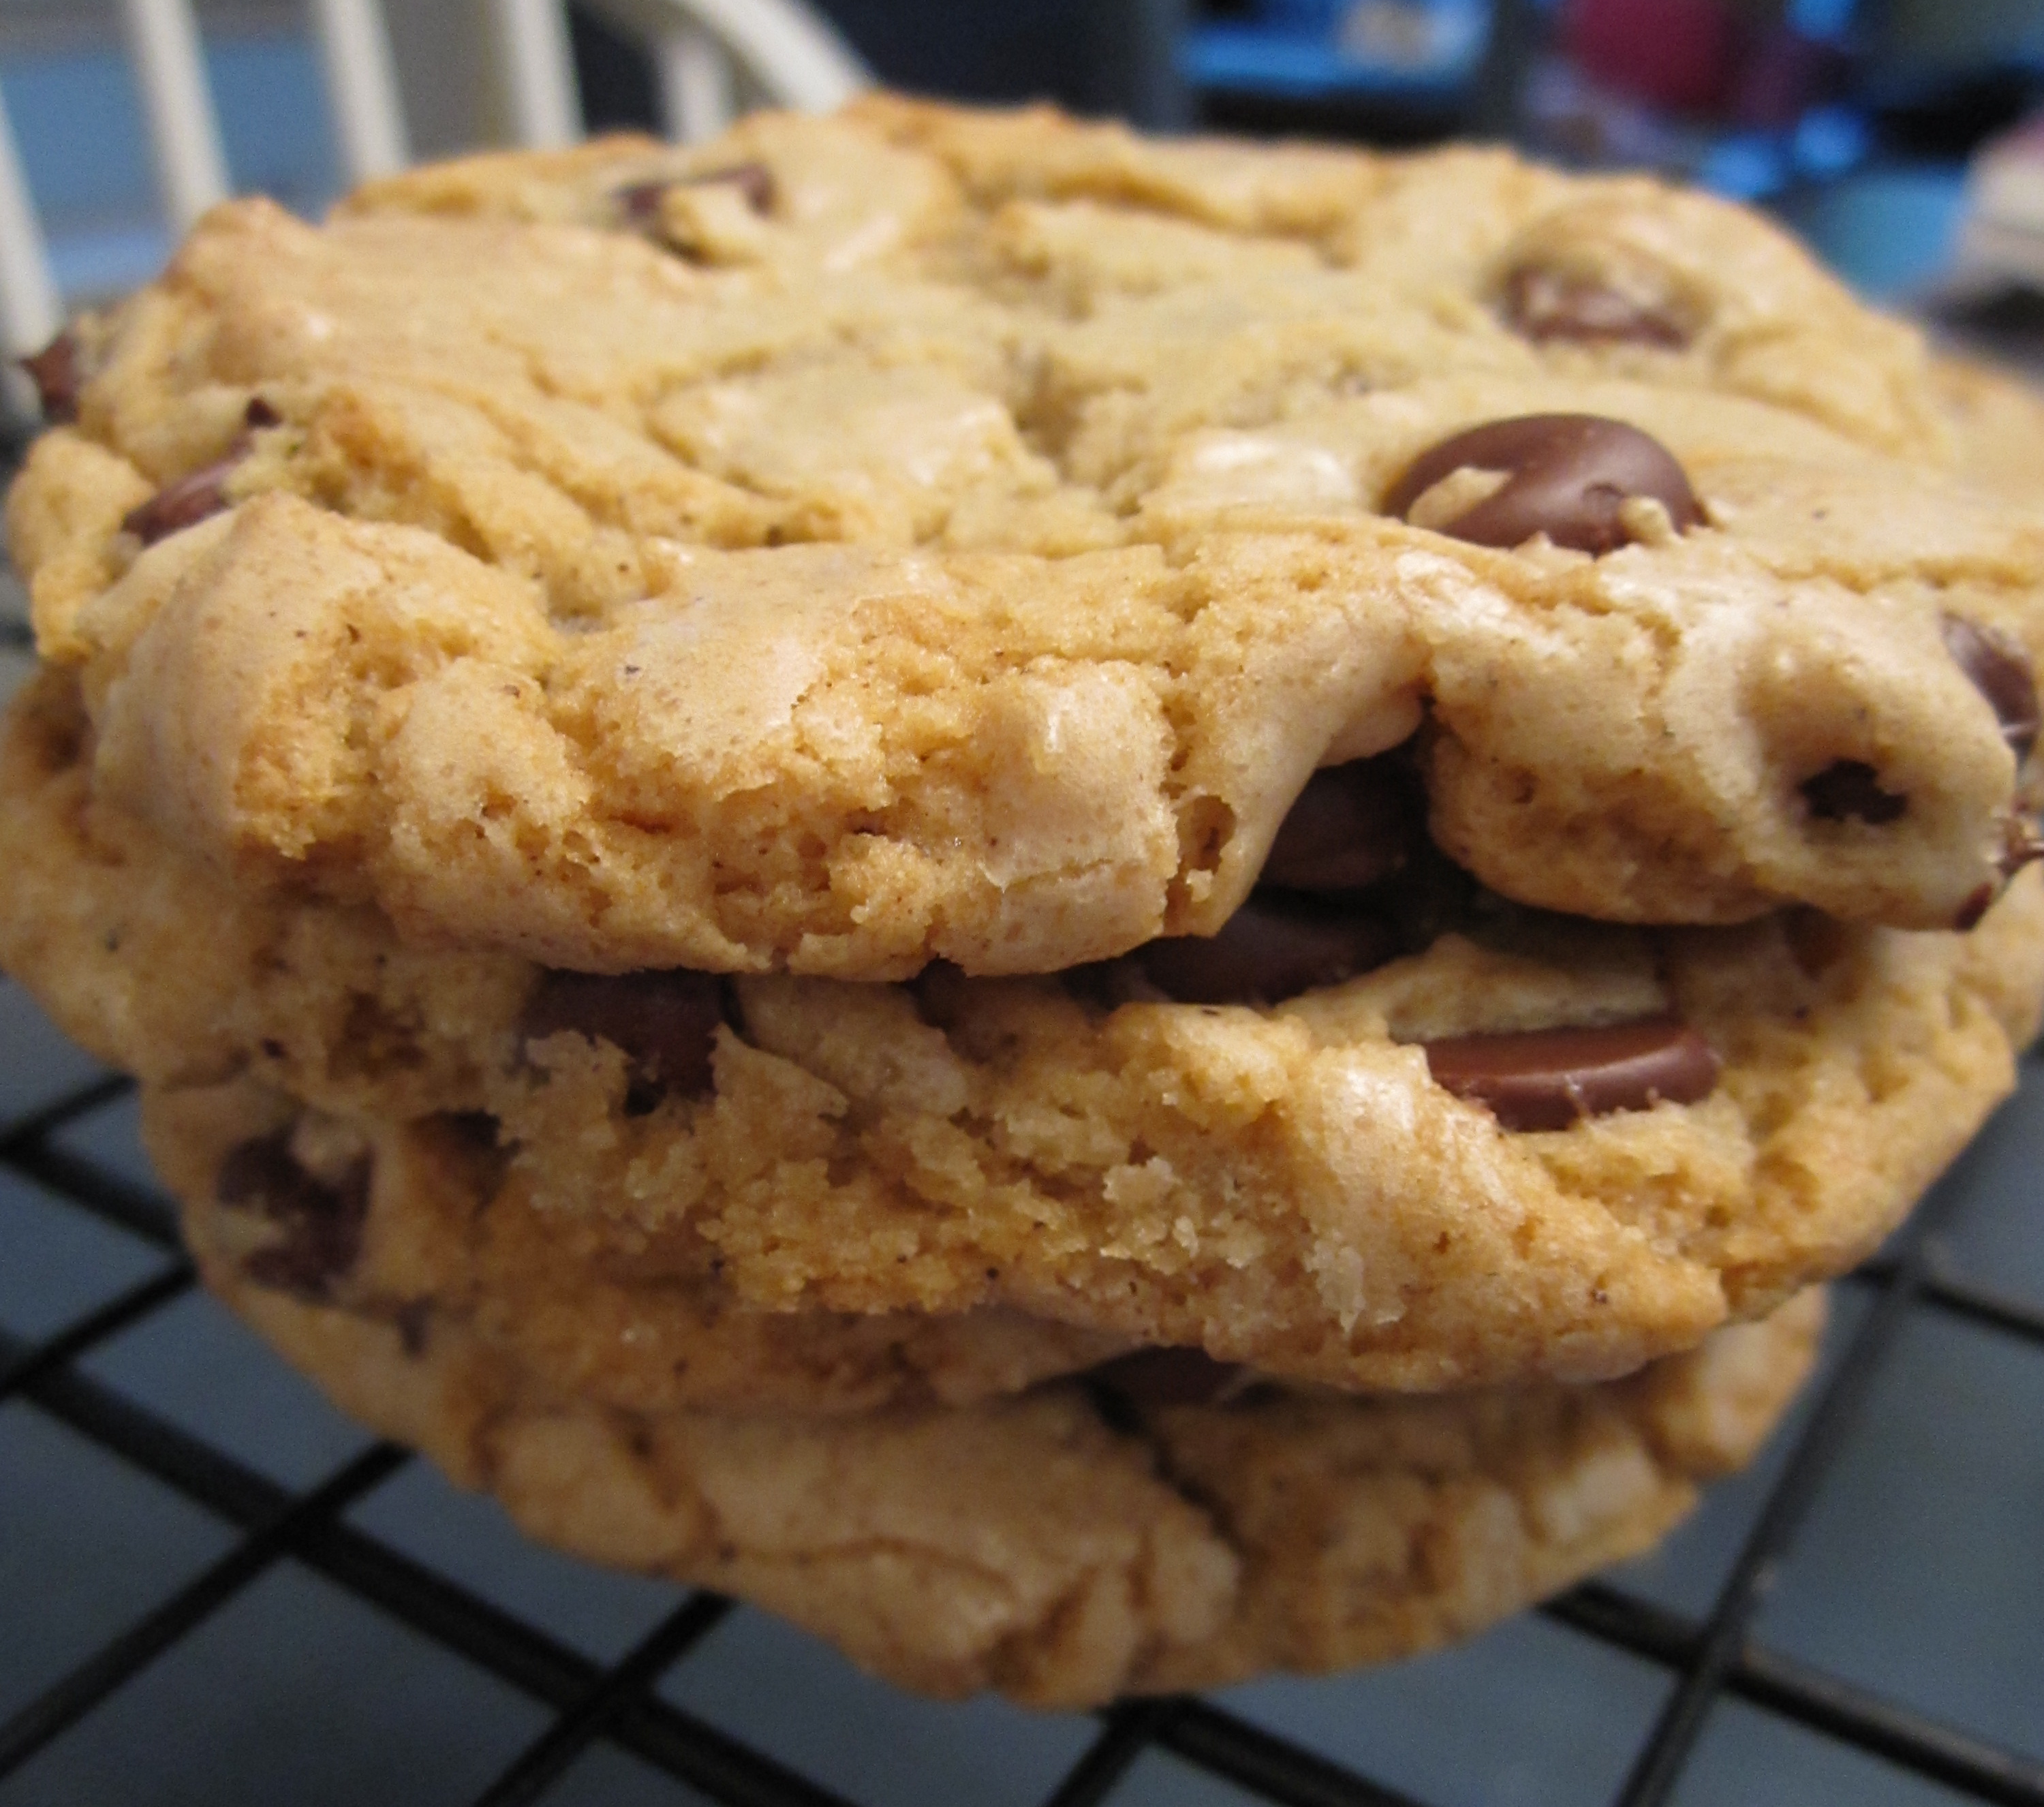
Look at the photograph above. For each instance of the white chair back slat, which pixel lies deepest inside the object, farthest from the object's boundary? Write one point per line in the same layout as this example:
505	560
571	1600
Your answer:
31	310
362	87
786	51
536	65
794	55
697	98
191	172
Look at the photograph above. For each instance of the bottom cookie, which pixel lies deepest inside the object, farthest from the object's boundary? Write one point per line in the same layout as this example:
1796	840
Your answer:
1071	1543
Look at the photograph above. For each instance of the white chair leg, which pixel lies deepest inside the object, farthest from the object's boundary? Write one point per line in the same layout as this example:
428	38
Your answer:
789	48
362	87
31	310
190	170
535	63
696	98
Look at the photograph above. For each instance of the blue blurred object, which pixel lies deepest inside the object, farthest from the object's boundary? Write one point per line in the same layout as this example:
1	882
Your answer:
1829	140
1889	231
1744	166
1310	49
78	117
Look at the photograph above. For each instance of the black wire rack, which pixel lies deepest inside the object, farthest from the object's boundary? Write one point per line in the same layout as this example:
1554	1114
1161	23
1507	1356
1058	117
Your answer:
1705	1659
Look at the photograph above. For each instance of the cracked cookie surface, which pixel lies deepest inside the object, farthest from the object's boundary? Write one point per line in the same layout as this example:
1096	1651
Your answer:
1066	1555
925	535
1292	1187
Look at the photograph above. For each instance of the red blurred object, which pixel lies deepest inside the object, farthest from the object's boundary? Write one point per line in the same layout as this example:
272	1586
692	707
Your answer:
1681	55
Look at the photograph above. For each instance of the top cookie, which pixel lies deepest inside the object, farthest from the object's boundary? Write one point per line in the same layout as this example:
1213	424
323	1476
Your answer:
922	534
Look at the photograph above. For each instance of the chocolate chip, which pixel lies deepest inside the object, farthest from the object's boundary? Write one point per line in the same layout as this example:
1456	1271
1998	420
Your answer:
2022	844
1541	304
665	1022
1273	948
1852	788
2000	670
55	372
641	201
322	1223
1350	826
183	504
1979	901
414	1319
201	493
1569	477
475	1130
1151	1378
1549	1079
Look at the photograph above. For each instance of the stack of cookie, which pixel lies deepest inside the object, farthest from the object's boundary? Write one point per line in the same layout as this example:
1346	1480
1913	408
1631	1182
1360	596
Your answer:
1106	912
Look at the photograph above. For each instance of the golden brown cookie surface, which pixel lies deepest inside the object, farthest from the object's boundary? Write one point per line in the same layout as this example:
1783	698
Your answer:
1342	1187
1064	1554
925	535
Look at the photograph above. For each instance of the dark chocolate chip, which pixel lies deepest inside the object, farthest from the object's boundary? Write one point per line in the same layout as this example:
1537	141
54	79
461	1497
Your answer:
641	201
1549	1079
1275	947
1569	476
1350	826
183	504
665	1022
1851	788
1979	901
474	1130
1541	304
2000	670
1151	1378
200	493
414	1319
2021	845
322	1224
55	372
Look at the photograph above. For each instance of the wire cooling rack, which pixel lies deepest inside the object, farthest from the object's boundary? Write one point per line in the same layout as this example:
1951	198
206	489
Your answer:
213	1589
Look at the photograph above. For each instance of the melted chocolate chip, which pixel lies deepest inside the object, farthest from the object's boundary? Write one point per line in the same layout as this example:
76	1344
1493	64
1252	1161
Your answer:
1979	901
1541	304
1550	1078
475	1130
1851	789
1569	477
55	372
183	504
414	1321
1273	948
2022	844
641	201
322	1224
200	493
665	1022
1149	1379
2000	670
1350	826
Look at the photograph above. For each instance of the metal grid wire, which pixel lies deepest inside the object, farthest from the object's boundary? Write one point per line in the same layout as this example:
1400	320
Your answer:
1708	1657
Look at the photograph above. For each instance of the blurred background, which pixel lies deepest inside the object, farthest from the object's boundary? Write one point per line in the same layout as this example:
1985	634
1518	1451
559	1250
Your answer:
1869	124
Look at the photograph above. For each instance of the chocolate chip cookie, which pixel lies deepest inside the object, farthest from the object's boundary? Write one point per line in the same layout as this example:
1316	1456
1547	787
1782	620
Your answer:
921	535
877	862
1492	1145
1084	1539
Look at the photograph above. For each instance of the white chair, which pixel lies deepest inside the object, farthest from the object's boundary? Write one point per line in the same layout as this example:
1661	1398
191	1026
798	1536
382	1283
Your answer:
702	50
